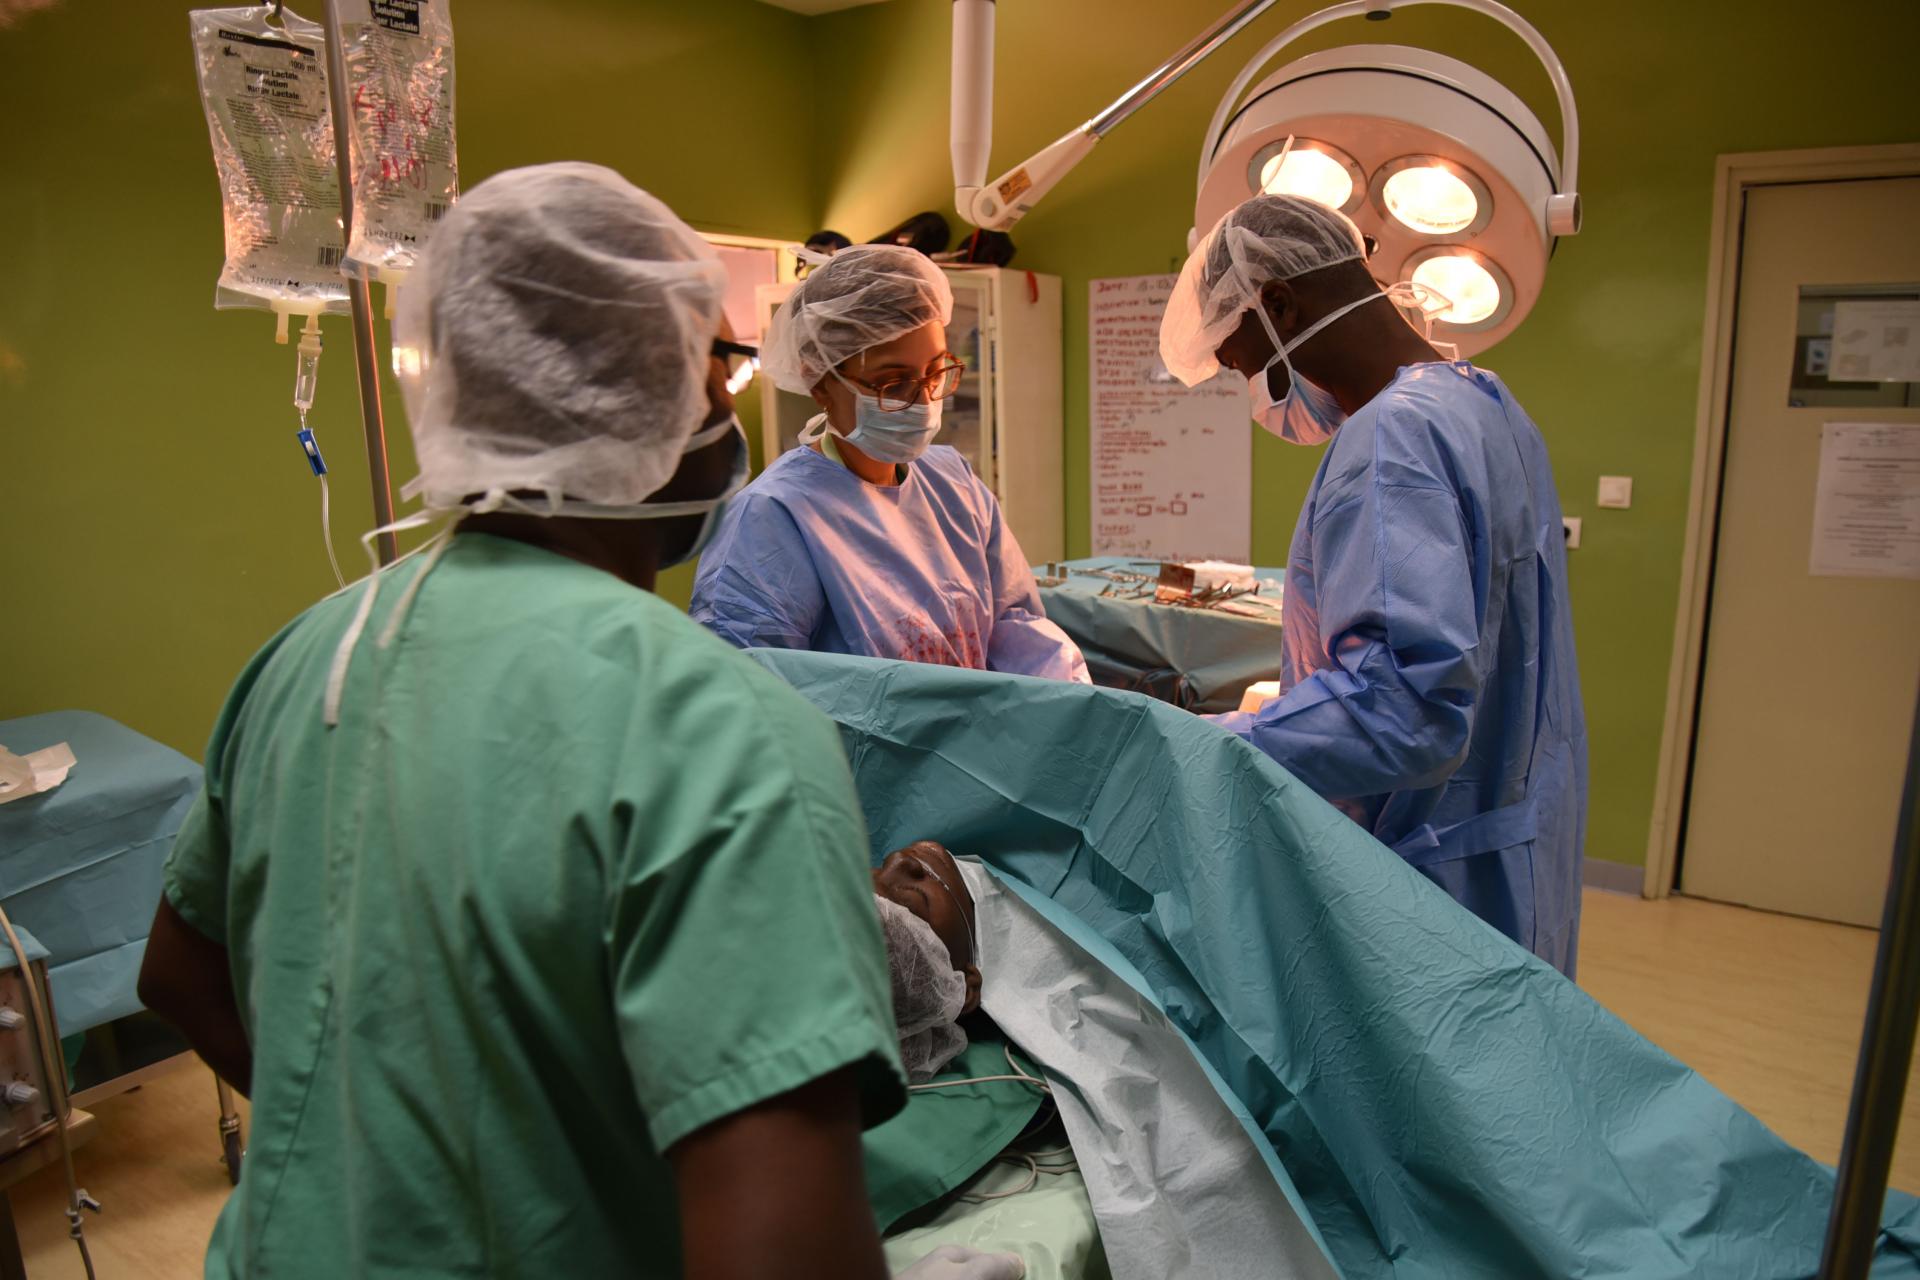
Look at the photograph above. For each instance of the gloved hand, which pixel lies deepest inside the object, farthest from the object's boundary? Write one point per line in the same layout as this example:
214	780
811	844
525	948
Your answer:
952	1262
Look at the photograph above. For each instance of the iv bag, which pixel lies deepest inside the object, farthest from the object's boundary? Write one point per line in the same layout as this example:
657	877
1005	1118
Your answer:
264	87
399	60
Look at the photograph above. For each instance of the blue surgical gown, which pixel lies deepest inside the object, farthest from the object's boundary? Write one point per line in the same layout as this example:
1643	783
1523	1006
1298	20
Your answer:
810	556
1429	686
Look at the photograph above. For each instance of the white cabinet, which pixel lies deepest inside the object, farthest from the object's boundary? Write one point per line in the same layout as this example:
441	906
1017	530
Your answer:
1007	416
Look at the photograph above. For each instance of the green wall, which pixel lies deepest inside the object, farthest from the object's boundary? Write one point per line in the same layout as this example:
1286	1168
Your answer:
161	526
161	520
1608	362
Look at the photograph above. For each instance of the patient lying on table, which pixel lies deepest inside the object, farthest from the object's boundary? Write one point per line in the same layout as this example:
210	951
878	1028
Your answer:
926	916
1139	1169
926	1168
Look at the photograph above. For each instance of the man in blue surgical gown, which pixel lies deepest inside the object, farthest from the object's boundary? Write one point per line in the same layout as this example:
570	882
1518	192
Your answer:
1429	686
872	539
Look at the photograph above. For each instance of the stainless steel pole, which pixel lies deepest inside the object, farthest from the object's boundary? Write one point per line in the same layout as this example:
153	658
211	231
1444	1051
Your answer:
1886	1050
366	362
1229	26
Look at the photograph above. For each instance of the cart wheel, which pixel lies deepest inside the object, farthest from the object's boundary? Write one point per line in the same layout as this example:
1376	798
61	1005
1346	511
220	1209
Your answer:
231	1154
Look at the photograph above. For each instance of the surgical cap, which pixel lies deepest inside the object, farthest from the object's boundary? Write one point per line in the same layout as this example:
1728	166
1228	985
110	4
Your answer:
858	299
928	992
1266	238
555	336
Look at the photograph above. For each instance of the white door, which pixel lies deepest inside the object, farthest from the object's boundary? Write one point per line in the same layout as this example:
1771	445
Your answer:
1807	693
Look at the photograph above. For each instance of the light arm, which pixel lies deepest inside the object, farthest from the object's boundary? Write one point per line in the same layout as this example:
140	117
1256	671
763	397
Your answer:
999	204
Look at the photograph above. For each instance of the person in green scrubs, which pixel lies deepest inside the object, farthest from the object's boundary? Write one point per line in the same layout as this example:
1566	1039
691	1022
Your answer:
533	918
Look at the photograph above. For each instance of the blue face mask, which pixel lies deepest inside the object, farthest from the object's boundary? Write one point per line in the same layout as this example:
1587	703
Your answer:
887	435
1308	413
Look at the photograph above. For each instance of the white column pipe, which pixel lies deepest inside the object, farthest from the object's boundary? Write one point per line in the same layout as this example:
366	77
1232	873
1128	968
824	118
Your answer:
972	104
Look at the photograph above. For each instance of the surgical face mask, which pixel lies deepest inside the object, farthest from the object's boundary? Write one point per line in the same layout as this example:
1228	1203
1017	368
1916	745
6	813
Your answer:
889	435
1308	413
928	992
710	509
553	504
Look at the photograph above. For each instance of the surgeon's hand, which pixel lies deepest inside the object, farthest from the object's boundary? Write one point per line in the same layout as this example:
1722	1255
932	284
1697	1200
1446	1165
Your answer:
952	1262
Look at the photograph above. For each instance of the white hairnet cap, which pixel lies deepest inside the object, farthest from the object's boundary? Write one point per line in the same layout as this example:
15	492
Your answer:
928	992
859	298
555	337
1265	238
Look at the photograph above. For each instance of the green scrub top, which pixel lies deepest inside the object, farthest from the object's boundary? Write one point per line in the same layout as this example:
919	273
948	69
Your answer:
570	880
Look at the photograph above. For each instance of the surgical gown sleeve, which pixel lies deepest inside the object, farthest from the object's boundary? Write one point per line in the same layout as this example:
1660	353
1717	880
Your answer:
1024	641
196	871
744	951
197	878
757	586
1393	564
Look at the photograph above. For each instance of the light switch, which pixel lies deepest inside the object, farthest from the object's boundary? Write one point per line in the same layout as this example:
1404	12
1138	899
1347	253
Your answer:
1573	530
1616	491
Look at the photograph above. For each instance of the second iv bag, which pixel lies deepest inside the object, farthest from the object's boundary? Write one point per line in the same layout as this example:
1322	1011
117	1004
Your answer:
399	66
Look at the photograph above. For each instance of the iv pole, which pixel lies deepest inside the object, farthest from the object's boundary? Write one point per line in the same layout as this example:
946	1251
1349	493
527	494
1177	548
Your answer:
1886	1049
366	363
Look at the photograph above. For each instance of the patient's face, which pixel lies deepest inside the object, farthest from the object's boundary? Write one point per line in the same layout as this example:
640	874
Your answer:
913	877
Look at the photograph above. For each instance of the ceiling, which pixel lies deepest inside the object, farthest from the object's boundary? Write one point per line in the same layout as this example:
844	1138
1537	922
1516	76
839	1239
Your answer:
811	7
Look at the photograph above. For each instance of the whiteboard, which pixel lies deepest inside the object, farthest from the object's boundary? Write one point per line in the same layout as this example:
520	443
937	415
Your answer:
1170	464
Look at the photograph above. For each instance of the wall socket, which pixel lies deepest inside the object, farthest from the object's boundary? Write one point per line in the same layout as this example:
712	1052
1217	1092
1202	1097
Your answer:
1573	530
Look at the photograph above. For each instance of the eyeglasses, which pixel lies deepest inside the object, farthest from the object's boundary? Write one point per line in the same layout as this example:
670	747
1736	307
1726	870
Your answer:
897	391
741	360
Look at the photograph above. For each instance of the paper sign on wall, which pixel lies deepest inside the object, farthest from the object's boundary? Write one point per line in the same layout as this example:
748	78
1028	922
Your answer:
1171	464
1876	341
1866	510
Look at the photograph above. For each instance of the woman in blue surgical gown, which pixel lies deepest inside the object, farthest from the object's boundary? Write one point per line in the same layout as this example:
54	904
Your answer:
871	539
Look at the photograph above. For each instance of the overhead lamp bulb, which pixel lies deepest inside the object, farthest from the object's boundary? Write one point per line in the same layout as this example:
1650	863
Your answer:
1469	286
1431	199
1310	173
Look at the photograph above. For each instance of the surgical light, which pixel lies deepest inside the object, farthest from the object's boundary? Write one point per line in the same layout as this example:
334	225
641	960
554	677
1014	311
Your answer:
1453	160
1433	197
1311	169
1470	282
1424	152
